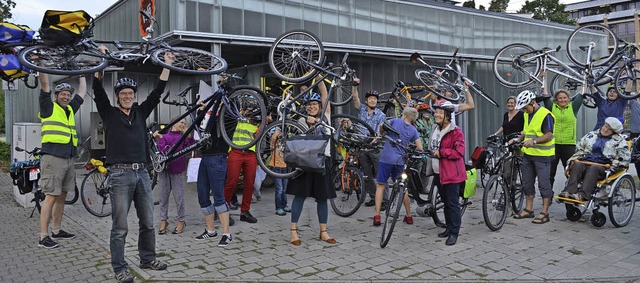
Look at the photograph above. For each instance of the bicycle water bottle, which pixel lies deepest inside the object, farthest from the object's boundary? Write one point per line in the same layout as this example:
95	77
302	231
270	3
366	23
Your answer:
203	124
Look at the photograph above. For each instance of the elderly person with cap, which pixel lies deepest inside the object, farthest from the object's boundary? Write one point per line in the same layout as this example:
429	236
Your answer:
603	146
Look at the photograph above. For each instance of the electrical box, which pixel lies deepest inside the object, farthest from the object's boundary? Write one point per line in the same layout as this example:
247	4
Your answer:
25	136
97	132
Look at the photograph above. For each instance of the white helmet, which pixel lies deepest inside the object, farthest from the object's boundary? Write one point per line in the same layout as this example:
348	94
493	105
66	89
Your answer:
524	98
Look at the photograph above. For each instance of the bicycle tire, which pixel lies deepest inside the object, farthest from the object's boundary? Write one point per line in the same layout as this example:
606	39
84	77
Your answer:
516	189
350	193
438	85
95	194
494	204
560	82
601	36
478	90
61	60
264	151
290	52
190	61
438	207
391	214
73	196
351	129
342	92
632	70
618	201
387	105
239	99
517	73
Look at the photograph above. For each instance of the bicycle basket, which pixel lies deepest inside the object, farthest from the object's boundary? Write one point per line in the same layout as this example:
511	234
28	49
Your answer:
10	67
13	33
19	171
479	157
65	27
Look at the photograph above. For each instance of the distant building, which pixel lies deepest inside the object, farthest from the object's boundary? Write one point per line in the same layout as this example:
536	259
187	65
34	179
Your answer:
620	15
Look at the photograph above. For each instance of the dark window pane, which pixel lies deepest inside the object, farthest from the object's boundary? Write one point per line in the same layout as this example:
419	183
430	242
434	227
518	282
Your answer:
230	20
191	15
204	17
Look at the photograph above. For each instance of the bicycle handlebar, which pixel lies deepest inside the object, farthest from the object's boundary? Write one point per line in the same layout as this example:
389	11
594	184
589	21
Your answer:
35	152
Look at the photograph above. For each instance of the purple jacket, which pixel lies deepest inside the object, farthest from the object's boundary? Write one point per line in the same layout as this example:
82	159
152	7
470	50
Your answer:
165	143
451	162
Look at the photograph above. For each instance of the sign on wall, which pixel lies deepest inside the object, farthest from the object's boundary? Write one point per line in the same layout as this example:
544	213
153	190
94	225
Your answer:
148	6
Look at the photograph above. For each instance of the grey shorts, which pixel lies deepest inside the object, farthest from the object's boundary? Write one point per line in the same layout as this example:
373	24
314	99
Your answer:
57	175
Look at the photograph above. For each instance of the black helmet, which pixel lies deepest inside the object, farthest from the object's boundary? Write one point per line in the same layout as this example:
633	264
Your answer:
125	83
371	93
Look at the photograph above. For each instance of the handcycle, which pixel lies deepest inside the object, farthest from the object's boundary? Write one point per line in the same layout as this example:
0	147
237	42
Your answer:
82	56
26	174
617	192
291	53
448	82
429	202
230	106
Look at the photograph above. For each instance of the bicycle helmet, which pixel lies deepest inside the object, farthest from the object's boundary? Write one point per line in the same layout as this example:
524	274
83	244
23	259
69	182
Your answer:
371	93
312	96
63	86
125	83
423	107
445	105
524	98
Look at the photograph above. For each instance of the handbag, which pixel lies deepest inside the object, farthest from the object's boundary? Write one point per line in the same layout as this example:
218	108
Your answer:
306	152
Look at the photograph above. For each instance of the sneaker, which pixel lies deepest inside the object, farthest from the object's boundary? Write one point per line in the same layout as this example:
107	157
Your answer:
206	235
280	212
376	220
63	235
124	277
408	220
370	203
247	217
225	240
287	209
155	265
47	243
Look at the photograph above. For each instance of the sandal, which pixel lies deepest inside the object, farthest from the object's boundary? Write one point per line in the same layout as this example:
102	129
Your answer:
295	242
162	229
181	225
541	220
328	240
528	214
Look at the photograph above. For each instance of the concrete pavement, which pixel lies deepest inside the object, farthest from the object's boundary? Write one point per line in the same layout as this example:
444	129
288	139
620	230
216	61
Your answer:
560	250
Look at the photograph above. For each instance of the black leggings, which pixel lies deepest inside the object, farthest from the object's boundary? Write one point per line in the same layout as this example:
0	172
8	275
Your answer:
563	153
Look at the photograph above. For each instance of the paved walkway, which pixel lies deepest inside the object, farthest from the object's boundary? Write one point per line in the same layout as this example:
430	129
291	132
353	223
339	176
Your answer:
557	251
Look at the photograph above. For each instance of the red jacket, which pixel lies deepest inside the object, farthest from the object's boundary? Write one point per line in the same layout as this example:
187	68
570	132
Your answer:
451	162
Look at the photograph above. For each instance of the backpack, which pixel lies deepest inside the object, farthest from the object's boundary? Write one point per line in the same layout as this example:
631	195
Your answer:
65	27
10	68
13	33
479	157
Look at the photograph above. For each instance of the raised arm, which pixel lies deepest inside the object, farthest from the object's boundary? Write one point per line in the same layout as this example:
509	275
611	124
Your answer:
82	86
355	94
469	103
322	88
44	82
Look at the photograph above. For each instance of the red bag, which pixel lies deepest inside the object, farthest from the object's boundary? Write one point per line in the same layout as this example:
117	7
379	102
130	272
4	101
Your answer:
479	157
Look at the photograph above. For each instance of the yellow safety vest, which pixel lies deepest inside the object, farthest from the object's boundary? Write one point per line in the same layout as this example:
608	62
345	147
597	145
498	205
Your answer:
533	130
244	134
57	128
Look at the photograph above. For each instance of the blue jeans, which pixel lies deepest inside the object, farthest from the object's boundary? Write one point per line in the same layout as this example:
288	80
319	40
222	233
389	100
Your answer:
211	177
128	185
450	195
281	187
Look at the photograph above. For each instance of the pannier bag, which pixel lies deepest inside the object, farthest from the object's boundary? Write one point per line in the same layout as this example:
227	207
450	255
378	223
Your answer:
470	184
13	33
306	152
479	157
65	27
20	173
11	67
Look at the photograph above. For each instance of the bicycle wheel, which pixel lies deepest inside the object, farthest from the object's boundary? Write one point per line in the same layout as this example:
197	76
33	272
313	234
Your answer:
95	193
516	191
350	191
478	90
270	147
494	204
61	60
603	41
83	154
622	201
514	65
291	53
190	61
627	80
438	207
342	92
438	85
391	214
350	129
72	197
388	104
560	82
243	104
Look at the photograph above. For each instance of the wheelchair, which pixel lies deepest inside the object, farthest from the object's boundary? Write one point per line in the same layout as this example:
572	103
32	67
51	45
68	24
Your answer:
616	192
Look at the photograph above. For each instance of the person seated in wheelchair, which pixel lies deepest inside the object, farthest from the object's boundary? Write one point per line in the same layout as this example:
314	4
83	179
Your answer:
603	146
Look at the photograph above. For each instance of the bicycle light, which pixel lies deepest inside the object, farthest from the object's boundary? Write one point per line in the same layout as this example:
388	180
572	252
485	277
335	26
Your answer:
404	176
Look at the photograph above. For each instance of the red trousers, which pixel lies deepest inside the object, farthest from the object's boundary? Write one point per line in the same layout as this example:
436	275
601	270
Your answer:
247	163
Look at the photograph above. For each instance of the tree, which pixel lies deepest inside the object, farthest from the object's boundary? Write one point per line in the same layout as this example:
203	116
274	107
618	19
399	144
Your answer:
5	9
547	10
482	8
469	4
499	6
